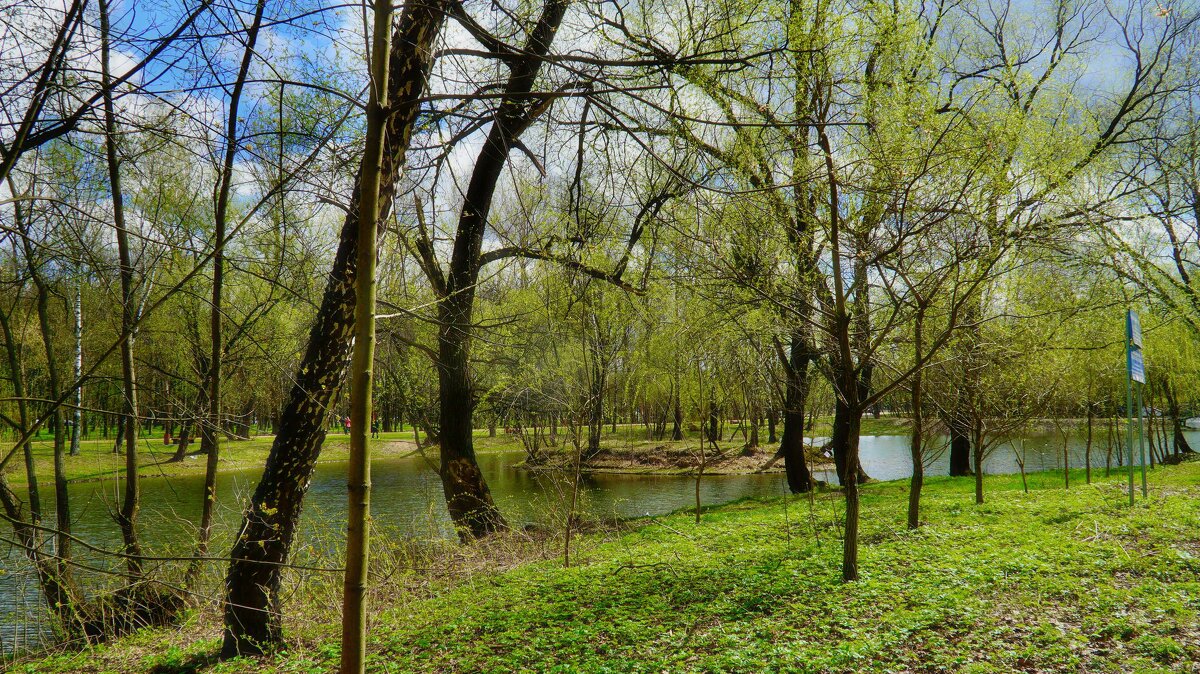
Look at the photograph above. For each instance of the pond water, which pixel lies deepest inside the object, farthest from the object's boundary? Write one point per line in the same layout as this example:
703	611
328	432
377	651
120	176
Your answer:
407	501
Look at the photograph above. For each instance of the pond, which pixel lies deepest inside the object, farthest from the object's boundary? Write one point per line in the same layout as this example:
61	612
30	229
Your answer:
407	501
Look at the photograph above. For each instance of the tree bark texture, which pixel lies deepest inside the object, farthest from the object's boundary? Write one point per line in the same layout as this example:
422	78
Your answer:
252	610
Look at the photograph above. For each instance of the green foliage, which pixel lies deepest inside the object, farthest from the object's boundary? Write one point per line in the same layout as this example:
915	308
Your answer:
1053	581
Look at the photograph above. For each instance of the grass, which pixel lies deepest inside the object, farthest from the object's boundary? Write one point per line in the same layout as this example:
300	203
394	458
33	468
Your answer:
1051	581
96	459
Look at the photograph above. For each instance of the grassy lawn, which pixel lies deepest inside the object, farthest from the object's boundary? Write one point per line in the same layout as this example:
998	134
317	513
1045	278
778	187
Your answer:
96	459
1051	581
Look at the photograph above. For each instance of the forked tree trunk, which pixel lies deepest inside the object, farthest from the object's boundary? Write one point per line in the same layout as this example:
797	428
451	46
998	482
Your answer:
252	610
467	495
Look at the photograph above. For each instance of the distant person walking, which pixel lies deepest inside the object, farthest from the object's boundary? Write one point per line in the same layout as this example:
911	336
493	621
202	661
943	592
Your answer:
346	425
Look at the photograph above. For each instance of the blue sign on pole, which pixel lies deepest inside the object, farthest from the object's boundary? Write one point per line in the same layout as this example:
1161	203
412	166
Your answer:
1133	326
1137	366
1137	373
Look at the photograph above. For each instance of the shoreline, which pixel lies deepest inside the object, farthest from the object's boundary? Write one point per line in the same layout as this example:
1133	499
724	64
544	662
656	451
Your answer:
671	459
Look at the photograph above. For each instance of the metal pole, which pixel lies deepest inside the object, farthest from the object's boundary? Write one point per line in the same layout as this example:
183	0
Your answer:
1142	439
1129	411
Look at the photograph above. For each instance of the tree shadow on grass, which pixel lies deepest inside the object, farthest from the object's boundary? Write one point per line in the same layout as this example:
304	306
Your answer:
191	664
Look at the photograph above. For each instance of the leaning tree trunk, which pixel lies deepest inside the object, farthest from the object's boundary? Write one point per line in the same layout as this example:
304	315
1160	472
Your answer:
358	513
252	601
467	495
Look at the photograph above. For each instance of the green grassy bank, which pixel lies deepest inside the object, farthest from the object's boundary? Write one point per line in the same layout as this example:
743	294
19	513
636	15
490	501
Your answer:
1051	581
97	461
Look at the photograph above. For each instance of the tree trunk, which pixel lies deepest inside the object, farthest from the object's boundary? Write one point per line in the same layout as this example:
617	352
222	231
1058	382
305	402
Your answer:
1181	445
916	448
960	446
62	503
127	515
354	588
714	421
1181	442
1087	449
252	609
771	438
1066	461
467	495
841	441
596	403
677	416
62	551
59	590
211	430
77	414
978	454
52	572
850	486
18	385
183	441
795	462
